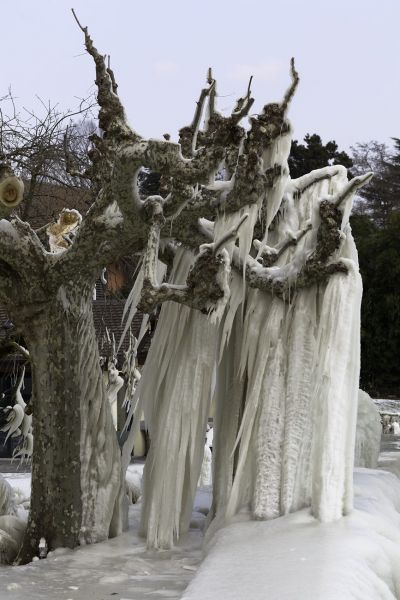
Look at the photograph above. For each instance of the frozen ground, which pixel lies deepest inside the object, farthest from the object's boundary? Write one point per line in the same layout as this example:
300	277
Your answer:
297	558
119	569
290	558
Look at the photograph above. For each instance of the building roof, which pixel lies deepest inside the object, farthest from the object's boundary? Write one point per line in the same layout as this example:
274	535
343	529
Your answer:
107	314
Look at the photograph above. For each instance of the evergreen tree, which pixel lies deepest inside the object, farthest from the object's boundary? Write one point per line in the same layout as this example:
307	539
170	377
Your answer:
376	229
314	155
379	255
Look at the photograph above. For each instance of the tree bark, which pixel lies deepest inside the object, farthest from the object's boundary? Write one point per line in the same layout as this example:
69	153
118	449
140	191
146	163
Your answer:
76	470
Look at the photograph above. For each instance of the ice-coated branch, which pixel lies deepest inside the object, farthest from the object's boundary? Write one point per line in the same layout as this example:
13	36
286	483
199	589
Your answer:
298	186
203	289
258	167
229	236
206	284
317	265
154	209
270	255
10	345
177	199
351	187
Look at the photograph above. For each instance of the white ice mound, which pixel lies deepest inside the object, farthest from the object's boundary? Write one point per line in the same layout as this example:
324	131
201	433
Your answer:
133	480
368	433
12	530
7	502
298	558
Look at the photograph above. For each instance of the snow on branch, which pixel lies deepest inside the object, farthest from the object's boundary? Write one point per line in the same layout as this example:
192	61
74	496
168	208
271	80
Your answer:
318	265
206	286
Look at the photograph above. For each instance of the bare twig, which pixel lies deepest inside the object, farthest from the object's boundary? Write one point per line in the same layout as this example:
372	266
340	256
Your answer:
291	90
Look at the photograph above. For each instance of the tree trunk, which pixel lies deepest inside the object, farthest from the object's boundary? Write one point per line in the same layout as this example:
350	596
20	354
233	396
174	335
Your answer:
76	471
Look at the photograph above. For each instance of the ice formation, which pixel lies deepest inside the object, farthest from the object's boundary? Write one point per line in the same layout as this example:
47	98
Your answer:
285	388
368	433
12	527
133	482
12	530
19	422
205	472
114	384
7	504
176	405
298	558
206	466
294	401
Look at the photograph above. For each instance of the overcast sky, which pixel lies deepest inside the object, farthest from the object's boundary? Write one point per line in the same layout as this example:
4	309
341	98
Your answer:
347	53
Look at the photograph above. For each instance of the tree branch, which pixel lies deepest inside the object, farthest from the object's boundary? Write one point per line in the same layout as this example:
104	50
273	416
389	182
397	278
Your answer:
204	287
318	266
11	190
292	89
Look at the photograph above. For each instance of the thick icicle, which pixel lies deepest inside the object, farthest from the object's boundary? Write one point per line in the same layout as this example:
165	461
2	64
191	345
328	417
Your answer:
335	396
176	406
296	485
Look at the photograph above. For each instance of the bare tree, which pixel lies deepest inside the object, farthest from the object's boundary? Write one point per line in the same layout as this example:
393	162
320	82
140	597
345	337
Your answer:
77	479
33	144
380	199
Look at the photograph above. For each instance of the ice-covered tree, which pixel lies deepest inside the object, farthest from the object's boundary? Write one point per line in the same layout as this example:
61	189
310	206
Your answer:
304	258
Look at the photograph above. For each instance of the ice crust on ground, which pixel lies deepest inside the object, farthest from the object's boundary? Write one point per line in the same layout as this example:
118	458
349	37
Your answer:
296	557
120	568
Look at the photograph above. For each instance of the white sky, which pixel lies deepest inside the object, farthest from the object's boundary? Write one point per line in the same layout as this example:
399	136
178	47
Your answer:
347	53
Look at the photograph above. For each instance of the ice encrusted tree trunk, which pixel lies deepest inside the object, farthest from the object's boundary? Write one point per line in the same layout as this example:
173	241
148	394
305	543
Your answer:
77	474
280	355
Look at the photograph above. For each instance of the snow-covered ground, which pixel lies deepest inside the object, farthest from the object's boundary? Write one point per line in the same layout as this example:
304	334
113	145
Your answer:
297	558
120	569
293	557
